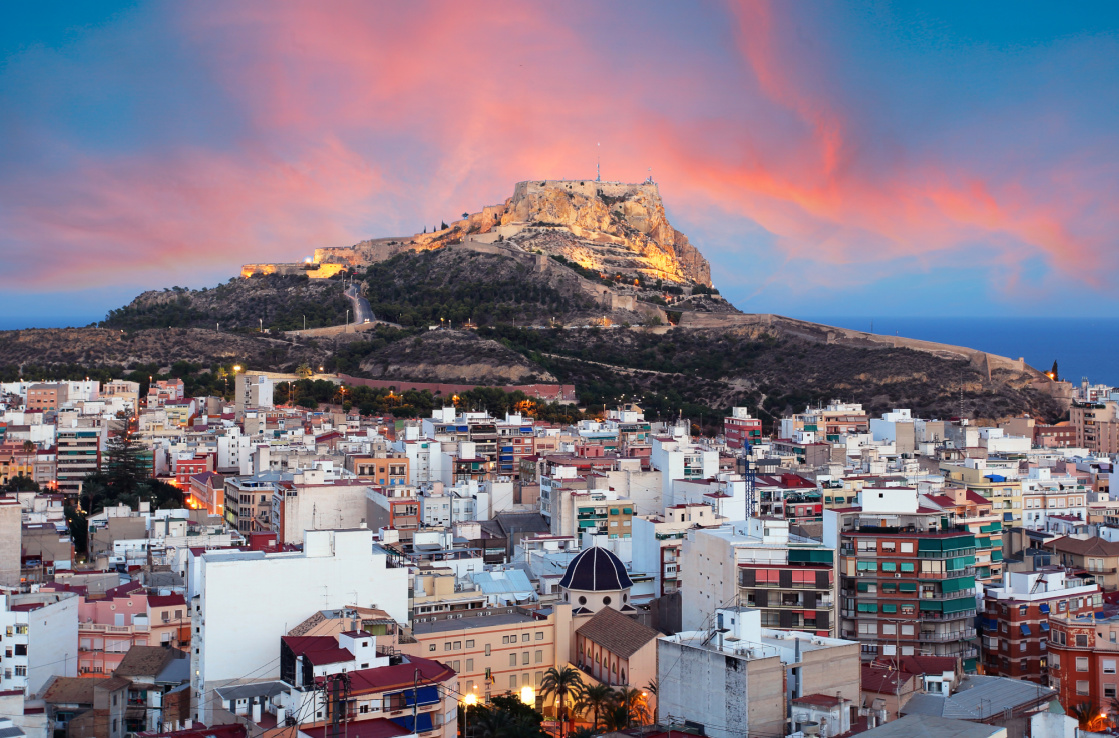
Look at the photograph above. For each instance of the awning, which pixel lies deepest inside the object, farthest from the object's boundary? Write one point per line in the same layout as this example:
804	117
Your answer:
1044	607
1025	629
1045	627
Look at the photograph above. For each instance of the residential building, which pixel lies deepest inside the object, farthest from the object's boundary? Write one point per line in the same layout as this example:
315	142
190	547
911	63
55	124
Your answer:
1095	558
1083	656
388	470
1096	426
46	397
1016	630
11	536
311	501
740	429
40	640
973	512
905	581
249	498
658	542
493	650
759	563
335	569
79	455
737	678
997	481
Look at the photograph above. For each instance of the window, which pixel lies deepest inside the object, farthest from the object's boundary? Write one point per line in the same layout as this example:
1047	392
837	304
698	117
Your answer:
1021	645
513	660
907	629
513	682
1082	663
888	546
21	670
431	647
487	649
1022	609
525	637
907	547
540	635
908	568
447	646
889	566
1082	687
1082	640
524	657
470	664
458	645
889	629
470	644
504	639
1109	666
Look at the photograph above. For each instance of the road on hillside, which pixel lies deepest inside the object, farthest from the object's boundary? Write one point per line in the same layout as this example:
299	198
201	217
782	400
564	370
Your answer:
362	312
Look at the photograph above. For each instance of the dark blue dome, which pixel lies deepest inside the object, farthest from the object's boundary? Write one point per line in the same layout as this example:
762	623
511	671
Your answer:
596	570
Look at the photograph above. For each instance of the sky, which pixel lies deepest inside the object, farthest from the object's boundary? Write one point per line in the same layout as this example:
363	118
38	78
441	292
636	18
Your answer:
913	159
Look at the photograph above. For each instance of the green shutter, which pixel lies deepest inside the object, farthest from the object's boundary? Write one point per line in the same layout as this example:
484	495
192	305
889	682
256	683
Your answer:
964	603
958	585
908	568
933	605
889	566
996	555
909	586
810	556
889	608
864	586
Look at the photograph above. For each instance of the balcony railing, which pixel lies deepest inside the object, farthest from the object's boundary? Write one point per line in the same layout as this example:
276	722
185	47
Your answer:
956	635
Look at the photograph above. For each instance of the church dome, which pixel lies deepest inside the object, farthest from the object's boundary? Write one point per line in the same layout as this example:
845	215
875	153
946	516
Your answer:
596	570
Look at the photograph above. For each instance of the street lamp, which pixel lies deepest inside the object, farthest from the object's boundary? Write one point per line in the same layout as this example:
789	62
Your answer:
528	695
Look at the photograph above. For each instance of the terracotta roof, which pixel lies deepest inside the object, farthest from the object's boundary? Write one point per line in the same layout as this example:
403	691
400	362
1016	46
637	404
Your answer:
617	633
71	690
318	650
399	676
818	700
146	661
978	499
376	728
1081	547
883	680
165	600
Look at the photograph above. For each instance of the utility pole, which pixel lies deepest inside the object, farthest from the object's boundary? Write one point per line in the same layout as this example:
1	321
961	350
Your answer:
415	700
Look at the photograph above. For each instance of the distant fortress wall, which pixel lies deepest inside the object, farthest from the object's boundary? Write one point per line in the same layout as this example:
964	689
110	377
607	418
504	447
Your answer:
585	187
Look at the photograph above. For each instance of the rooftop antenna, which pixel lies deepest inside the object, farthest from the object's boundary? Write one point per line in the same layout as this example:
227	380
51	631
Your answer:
598	164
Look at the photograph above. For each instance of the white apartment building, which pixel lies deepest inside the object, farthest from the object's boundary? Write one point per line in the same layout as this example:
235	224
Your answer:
40	640
248	600
677	458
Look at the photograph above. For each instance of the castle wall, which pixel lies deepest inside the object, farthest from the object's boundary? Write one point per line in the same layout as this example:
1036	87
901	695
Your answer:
585	187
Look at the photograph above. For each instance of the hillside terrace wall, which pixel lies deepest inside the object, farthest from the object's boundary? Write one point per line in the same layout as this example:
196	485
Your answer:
561	393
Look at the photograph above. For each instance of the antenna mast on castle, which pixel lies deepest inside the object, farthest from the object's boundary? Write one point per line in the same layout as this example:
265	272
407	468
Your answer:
598	164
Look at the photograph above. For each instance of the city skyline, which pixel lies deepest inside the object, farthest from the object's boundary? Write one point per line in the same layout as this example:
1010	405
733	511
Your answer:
931	158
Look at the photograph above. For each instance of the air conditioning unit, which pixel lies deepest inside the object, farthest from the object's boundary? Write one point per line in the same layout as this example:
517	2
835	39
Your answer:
897	576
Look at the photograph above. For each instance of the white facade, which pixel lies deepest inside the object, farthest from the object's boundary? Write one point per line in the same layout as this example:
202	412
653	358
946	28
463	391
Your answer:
679	459
43	641
249	600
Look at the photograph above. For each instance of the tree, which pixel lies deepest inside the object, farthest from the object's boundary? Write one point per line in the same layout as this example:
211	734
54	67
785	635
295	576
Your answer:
566	685
125	467
596	698
1053	372
616	718
442	226
634	702
21	483
304	371
465	216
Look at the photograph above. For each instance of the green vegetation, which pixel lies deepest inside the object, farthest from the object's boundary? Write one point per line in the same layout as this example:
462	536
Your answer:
281	301
420	288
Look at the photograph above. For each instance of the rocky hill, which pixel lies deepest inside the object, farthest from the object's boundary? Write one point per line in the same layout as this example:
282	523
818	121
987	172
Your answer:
613	228
584	283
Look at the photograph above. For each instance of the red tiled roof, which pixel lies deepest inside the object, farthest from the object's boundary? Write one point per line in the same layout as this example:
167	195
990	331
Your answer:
399	676
166	600
821	700
882	680
376	728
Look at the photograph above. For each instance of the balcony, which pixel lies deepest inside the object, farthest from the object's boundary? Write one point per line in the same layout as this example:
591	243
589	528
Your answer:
956	635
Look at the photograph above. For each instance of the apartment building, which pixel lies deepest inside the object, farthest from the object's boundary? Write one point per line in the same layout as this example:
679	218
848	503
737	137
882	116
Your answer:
906	579
1015	621
1096	426
493	650
1092	557
758	563
335	569
249	499
737	678
740	429
1045	495
40	640
79	455
997	481
973	512
658	542
1083	655
46	397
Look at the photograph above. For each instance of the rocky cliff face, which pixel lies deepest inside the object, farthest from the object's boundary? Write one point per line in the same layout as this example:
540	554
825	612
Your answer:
612	227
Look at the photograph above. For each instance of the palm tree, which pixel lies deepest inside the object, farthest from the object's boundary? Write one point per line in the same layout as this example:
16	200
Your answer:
304	371
564	684
596	698
1086	715
652	686
633	700
616	718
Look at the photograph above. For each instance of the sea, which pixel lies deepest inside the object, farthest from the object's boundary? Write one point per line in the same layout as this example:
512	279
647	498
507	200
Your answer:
1082	347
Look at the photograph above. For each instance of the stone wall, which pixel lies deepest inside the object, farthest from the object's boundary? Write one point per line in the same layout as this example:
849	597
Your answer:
562	393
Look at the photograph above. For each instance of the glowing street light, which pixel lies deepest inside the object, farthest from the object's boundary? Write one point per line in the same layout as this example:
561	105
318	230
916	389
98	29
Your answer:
470	699
528	695
236	367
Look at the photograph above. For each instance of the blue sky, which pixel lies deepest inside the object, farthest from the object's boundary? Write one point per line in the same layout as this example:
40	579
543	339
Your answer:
828	159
